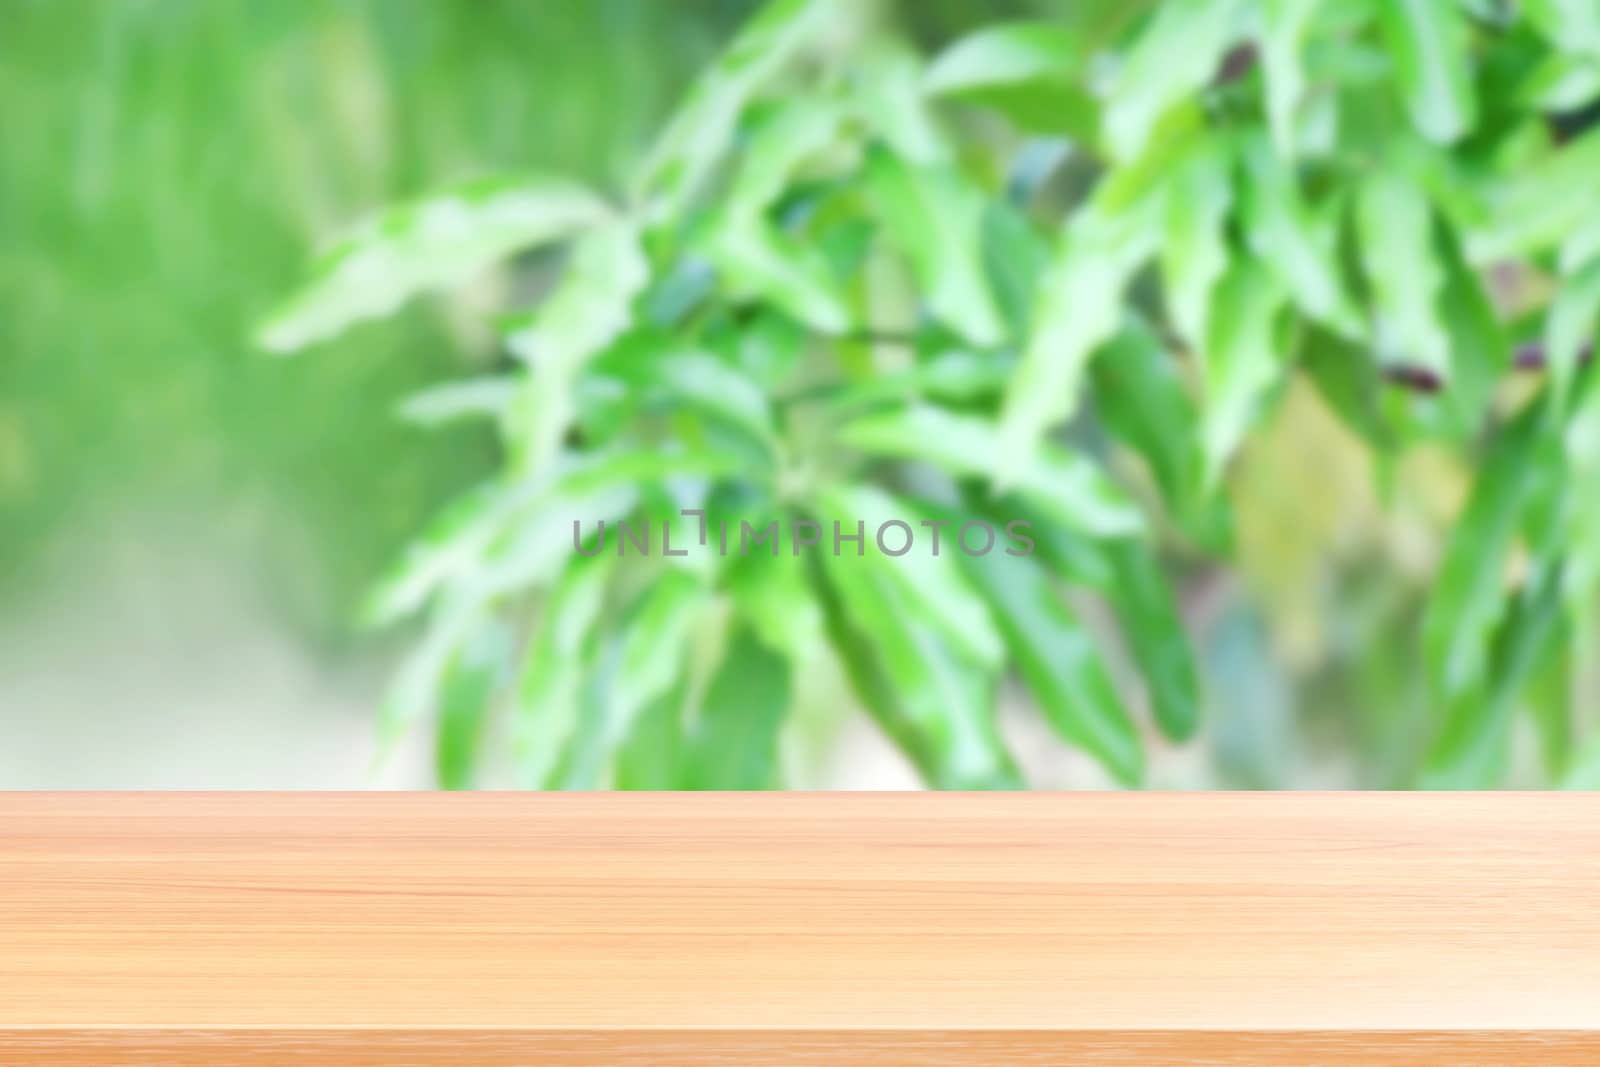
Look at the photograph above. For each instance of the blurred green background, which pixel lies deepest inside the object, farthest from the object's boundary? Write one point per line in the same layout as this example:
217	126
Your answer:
187	524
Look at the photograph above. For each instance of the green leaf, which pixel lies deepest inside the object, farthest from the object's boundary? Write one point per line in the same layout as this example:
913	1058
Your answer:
414	693
652	652
757	261
659	749
1057	657
774	597
701	131
1473	749
451	543
436	243
681	289
589	309
653	376
1241	363
796	130
769	347
1395	223
1140	181
1548	697
1031	72
581	489
1292	242
1469	596
957	376
935	216
1480	353
735	742
864	669
1284	26
1142	399
1544	519
653	755
1174	56
888	94
1571	25
1581	441
935	702
551	690
1542	203
1349	383
1453	182
535	548
1572	322
1194	246
1153	631
1072	557
1014	256
1562	83
1078	307
466	697
1066	487
707	383
453	401
1582	246
1007	53
1427	41
932	586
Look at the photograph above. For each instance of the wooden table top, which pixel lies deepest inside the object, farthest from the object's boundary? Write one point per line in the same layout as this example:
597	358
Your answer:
799	928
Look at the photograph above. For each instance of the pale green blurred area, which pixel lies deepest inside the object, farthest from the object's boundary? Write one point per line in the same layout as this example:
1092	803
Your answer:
186	524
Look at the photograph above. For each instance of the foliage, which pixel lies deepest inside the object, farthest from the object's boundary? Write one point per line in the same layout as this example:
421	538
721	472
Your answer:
847	283
170	165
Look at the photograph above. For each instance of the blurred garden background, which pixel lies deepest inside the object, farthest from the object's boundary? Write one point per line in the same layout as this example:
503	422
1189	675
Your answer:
189	525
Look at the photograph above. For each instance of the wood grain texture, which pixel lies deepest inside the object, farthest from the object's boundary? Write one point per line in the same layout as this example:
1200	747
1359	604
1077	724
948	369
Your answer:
791	1048
498	929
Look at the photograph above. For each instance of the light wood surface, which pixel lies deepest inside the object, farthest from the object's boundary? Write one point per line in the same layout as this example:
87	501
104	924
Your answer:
929	929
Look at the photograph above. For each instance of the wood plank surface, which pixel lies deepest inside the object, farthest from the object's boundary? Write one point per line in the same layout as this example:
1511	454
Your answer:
929	929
